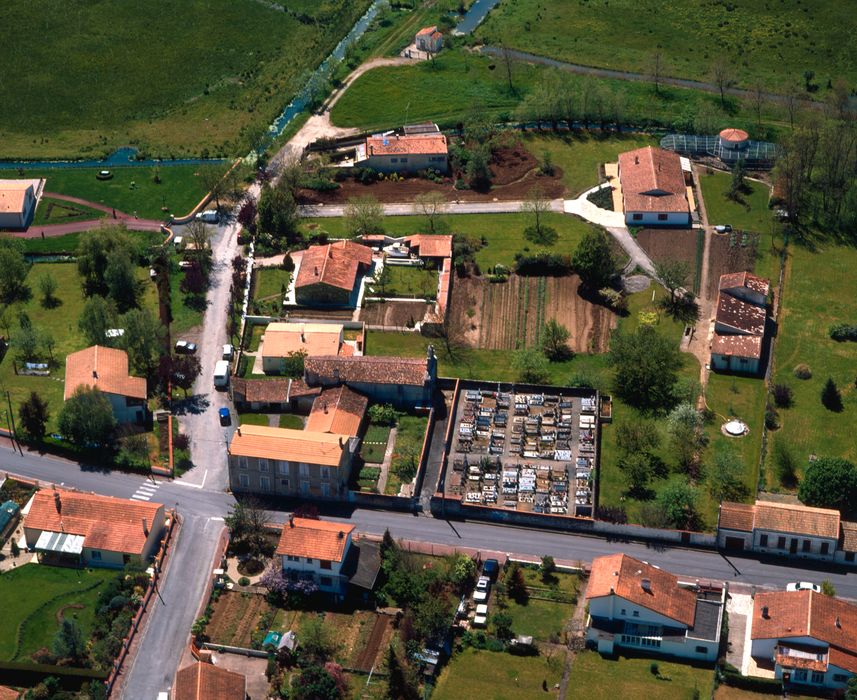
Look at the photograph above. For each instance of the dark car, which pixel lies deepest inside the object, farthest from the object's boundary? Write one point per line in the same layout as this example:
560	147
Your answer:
491	568
185	347
225	416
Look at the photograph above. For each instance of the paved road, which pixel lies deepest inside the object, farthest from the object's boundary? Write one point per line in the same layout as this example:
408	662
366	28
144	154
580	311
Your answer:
407	208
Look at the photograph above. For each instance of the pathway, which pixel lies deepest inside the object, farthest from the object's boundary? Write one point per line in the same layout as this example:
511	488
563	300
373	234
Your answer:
407	208
388	458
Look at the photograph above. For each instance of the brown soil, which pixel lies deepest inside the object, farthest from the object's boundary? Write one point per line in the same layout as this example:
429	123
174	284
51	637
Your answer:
365	659
727	256
322	314
505	316
514	170
72	606
251	567
235	617
666	244
394	313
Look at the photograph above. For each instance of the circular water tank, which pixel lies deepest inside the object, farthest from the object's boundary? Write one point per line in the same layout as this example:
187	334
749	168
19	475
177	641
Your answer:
735	428
734	139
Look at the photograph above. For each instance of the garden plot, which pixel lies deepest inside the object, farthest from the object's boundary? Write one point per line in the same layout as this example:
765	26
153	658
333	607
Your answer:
235	617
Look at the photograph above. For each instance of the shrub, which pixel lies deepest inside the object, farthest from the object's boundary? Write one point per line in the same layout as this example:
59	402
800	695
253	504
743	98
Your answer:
654	669
383	414
783	395
830	396
802	371
542	263
243	581
843	331
181	442
772	418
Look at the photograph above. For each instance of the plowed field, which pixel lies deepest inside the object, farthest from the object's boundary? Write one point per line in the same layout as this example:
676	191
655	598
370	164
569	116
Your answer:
235	617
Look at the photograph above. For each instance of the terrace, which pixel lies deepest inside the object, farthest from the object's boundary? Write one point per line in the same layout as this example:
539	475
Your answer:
529	449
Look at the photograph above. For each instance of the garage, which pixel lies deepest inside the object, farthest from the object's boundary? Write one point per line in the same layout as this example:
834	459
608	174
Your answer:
735	544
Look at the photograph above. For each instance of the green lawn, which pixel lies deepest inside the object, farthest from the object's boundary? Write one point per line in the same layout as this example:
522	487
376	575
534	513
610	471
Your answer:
69	242
751	214
61	323
503	233
374	443
253	419
58	211
596	678
185	316
408	281
290	420
131	189
498	676
462	83
543	619
773	46
270	282
256	337
410	435
580	154
100	75
820	289
32	595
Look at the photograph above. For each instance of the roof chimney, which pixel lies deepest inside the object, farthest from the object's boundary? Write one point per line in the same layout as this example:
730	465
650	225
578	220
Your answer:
57	502
838	623
765	611
292	520
636	160
94	374
646	585
145	527
341	534
341	443
239	430
316	270
325	406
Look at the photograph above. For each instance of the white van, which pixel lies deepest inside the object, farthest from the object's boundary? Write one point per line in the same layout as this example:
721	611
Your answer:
209	216
221	373
228	352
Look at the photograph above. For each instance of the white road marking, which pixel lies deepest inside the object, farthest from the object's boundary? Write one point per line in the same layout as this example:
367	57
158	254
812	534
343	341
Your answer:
137	497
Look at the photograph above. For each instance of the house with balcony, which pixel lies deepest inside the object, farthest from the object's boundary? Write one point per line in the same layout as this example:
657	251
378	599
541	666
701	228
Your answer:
808	638
634	605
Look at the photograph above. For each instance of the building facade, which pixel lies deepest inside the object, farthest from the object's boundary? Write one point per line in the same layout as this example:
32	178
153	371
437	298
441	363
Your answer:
316	550
17	203
404	153
429	39
106	369
654	188
740	323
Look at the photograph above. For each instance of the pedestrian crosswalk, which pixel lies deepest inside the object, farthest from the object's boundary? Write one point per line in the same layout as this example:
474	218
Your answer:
145	492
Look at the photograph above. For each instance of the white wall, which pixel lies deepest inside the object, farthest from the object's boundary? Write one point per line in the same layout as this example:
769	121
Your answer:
611	607
815	545
304	567
733	363
651	218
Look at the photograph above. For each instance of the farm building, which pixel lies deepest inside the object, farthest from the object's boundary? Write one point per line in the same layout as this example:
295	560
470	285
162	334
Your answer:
404	382
18	199
739	324
429	39
327	275
67	527
654	189
106	369
809	638
286	462
404	153
283	339
635	605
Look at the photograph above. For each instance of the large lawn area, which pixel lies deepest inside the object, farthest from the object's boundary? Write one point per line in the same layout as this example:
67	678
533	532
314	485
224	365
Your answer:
503	233
751	213
32	598
70	241
772	46
410	282
61	322
410	435
498	676
131	189
820	289
270	282
89	77
594	677
57	211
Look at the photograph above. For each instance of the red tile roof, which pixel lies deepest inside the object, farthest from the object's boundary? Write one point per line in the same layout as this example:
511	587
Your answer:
623	576
315	539
204	681
405	144
104	368
737	345
8	693
409	371
734	135
809	614
652	181
280	339
429	246
288	445
427	30
260	390
737	516
745	279
848	541
111	524
338	410
740	315
335	264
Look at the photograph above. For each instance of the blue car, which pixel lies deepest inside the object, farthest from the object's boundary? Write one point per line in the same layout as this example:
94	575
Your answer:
225	417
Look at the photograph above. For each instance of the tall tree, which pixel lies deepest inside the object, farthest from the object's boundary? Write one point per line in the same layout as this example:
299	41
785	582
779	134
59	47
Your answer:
212	179
687	431
724	476
364	216
646	367
555	338
48	288
86	418
120	279
593	260
143	340
94	255
68	644
432	205
537	204
98	316
830	482
830	396
674	275
532	365
278	212
678	503
14	267
34	415
184	371
723	75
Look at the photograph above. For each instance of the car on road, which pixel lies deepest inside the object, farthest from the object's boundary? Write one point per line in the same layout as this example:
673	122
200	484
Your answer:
185	347
491	568
803	586
225	416
209	216
723	228
228	351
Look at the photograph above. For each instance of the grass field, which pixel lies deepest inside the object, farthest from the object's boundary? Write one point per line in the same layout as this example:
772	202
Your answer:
820	289
57	211
596	678
497	676
69	242
374	443
411	431
503	233
543	619
462	83
253	419
31	597
290	420
270	282
752	214
105	77
411	282
764	45
131	189
185	316
61	323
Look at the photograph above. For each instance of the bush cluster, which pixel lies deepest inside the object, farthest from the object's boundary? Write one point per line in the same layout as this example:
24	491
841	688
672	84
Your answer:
542	263
843	331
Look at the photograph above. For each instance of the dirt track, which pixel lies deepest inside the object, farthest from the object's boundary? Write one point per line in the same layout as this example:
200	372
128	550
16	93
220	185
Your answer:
366	660
510	315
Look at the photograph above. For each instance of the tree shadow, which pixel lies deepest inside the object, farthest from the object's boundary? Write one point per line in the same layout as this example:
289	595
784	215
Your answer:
193	405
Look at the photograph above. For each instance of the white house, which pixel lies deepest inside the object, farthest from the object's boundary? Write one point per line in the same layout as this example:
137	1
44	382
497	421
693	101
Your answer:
654	191
106	369
635	605
316	550
81	528
809	639
404	153
18	199
429	39
786	529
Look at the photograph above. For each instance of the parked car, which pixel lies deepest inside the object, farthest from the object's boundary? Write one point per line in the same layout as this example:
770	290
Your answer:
723	228
483	583
491	568
225	416
185	264
221	373
185	347
209	216
228	351
803	586
153	272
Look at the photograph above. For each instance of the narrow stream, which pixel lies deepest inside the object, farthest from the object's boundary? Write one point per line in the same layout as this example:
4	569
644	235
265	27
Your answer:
477	12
